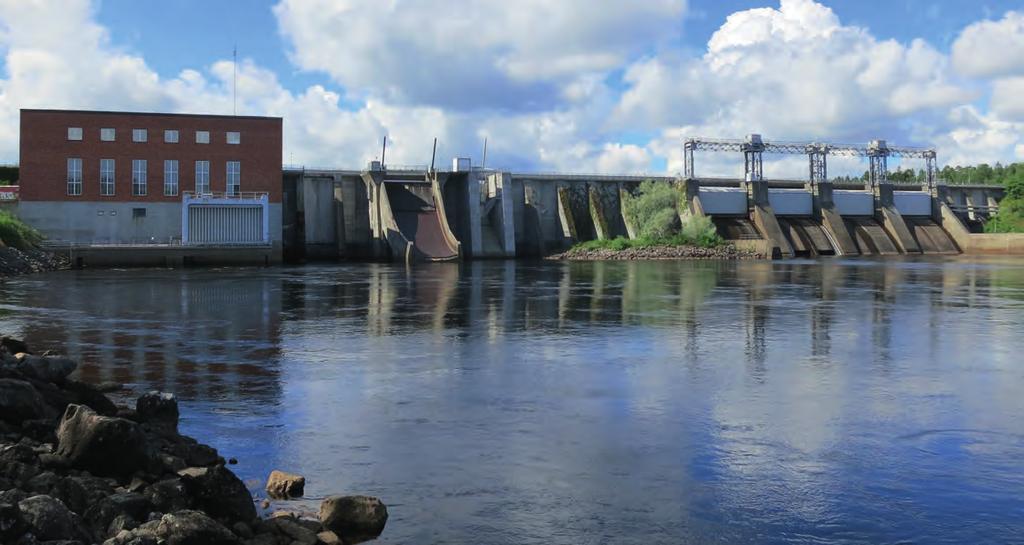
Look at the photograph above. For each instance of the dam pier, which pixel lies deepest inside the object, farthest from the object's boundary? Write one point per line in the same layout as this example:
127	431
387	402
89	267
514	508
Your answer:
421	215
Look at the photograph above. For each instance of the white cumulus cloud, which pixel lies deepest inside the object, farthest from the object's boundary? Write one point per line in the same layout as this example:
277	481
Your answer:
991	48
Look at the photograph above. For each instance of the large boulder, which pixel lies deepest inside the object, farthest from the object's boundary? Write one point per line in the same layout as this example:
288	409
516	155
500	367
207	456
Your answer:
354	516
282	486
104	445
48	518
219	492
20	401
45	368
193	528
158	408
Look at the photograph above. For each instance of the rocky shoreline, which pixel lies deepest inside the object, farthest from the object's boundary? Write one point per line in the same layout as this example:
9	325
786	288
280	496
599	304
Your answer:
15	262
76	469
724	252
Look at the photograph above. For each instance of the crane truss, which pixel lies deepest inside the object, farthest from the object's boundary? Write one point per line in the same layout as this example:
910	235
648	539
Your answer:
753	147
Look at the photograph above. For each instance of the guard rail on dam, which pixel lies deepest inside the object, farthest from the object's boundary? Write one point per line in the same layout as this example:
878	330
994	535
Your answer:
434	216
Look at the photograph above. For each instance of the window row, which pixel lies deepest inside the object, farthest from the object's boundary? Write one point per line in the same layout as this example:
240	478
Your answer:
142	135
140	177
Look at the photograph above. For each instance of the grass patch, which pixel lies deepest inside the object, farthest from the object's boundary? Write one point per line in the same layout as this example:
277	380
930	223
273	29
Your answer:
16	234
659	212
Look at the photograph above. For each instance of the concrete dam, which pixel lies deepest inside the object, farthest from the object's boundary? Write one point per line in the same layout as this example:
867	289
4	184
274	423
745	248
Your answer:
411	216
428	215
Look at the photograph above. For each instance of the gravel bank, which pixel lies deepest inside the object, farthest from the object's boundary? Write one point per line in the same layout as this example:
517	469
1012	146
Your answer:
14	262
727	251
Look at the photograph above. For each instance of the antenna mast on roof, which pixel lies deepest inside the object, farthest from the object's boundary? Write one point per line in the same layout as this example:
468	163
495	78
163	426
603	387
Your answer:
234	80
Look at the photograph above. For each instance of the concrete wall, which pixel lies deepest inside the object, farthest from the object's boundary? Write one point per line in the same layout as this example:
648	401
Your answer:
317	201
113	223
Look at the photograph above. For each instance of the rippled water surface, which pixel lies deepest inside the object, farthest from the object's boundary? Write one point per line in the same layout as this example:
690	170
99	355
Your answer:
824	402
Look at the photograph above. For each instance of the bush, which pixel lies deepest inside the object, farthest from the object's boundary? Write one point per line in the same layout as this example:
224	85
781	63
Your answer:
661	218
14	232
700	230
1009	219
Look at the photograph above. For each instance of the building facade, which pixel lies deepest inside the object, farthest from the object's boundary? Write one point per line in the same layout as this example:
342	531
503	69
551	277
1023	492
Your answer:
90	177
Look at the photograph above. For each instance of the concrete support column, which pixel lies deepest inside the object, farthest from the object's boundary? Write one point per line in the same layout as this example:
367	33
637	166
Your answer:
825	210
502	183
473	205
764	219
891	219
691	189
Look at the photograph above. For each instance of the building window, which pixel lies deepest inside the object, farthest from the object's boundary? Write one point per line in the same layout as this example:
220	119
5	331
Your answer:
170	177
107	135
234	137
202	137
234	177
139	135
74	177
202	177
106	177
74	133
171	136
139	177
138	213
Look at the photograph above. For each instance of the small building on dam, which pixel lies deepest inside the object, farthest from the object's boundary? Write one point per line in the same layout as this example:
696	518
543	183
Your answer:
174	189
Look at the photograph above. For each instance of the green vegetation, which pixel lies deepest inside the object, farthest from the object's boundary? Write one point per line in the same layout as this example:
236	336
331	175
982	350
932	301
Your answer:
655	211
14	233
983	174
8	175
1010	218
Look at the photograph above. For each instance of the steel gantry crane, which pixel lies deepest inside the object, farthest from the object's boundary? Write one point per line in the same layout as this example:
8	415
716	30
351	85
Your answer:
753	147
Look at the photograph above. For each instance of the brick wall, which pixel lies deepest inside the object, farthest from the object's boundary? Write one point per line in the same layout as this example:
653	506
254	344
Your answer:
45	149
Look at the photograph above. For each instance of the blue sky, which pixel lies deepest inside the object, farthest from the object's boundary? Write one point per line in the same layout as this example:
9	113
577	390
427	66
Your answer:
575	85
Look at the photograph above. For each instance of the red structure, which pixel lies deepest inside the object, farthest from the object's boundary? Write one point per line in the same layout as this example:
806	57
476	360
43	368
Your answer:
49	138
100	178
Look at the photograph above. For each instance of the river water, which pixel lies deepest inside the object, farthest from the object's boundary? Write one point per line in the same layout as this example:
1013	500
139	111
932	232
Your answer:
825	402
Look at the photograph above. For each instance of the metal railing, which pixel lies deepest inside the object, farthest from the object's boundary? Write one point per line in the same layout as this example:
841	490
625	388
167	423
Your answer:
241	195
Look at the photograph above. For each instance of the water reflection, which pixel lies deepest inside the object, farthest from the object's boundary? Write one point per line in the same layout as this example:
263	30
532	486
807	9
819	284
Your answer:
795	402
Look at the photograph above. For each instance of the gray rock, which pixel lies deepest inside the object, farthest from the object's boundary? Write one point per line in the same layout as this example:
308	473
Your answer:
219	492
48	518
329	538
282	486
12	523
103	445
43	483
193	528
296	532
20	401
45	368
169	495
101	514
242	530
357	516
12	346
120	524
81	492
12	496
158	408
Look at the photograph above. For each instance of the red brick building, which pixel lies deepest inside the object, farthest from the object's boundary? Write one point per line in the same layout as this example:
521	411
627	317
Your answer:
90	176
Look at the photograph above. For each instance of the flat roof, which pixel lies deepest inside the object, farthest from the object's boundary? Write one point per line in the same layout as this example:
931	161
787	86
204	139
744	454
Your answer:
154	114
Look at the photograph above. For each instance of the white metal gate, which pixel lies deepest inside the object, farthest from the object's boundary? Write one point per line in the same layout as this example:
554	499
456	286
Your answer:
225	220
